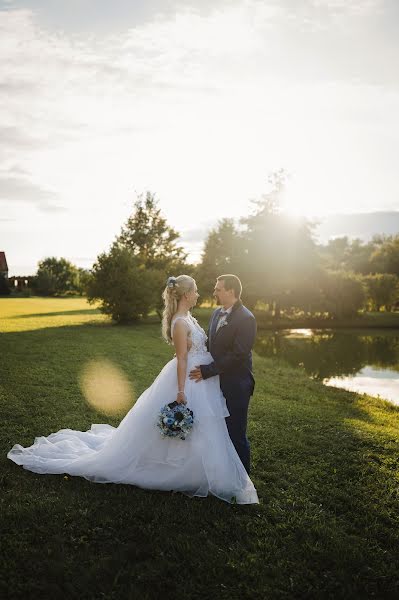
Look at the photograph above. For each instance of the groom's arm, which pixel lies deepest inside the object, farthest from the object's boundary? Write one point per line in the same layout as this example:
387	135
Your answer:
242	346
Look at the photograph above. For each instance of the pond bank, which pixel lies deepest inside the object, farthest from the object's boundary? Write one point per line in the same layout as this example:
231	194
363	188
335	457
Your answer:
381	320
360	360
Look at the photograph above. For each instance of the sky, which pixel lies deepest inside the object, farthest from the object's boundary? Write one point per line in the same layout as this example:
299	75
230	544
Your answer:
198	102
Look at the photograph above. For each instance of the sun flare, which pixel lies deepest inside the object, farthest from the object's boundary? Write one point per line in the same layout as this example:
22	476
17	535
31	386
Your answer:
106	388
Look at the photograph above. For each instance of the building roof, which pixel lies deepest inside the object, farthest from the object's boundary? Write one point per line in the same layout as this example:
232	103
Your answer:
3	261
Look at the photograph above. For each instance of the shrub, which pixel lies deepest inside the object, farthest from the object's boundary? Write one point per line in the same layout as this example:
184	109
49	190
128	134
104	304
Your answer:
343	294
125	288
382	290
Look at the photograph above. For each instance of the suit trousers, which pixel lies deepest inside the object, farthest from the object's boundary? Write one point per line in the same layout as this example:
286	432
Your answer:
237	400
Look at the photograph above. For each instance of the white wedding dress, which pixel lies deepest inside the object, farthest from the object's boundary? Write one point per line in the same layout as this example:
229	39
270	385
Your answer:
135	452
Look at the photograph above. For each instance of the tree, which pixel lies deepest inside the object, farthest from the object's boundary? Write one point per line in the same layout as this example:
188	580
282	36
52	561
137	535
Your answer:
383	290
126	289
129	279
56	276
305	295
358	257
4	286
153	243
343	293
335	253
84	276
279	251
222	254
385	258
149	237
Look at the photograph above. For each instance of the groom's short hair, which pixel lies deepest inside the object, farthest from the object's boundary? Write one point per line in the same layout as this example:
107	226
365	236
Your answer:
231	282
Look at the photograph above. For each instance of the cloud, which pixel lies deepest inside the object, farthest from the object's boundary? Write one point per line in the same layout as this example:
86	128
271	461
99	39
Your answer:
17	138
14	189
199	233
353	41
58	86
197	101
12	88
101	16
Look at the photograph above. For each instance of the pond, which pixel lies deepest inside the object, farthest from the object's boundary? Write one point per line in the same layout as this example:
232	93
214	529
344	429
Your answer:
360	360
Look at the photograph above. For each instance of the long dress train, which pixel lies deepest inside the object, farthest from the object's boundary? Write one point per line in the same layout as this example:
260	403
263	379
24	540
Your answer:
206	462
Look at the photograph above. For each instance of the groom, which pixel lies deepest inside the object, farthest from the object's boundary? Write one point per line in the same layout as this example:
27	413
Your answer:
231	336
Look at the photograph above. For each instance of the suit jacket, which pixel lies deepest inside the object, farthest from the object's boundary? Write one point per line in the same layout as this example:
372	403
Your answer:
231	348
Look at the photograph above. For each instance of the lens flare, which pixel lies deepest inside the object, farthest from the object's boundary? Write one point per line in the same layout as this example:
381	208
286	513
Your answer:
106	387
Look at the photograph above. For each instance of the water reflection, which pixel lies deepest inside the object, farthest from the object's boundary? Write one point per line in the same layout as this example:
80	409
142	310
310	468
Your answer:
384	384
360	360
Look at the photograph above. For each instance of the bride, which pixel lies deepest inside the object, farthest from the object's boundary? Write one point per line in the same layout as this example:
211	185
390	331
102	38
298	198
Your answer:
135	453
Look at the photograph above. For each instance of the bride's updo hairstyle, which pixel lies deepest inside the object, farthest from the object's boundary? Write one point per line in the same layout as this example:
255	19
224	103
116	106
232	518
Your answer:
175	289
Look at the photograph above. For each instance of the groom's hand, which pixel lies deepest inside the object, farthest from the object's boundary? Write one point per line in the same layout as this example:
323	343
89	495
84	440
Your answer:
195	374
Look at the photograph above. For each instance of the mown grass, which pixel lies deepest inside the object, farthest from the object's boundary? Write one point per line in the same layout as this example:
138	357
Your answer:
325	463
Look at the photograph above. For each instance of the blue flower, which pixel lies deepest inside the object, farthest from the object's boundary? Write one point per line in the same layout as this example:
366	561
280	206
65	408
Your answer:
175	420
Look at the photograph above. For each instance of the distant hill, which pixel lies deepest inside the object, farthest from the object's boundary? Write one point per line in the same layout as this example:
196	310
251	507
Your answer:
357	225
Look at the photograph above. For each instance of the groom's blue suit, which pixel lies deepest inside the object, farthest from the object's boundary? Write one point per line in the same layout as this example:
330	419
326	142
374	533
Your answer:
231	349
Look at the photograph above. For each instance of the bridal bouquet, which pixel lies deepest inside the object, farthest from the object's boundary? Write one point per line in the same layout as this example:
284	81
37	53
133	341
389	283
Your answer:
175	420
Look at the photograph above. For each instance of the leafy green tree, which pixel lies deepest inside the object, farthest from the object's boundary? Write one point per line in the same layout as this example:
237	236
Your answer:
343	294
129	279
149	237
279	251
383	290
358	256
305	295
56	276
222	254
335	252
126	289
153	243
385	258
83	278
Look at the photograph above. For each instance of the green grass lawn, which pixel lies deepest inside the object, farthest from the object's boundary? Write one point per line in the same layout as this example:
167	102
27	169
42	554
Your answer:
325	464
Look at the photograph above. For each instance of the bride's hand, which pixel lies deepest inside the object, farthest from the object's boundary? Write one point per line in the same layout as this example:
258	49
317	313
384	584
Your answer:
181	398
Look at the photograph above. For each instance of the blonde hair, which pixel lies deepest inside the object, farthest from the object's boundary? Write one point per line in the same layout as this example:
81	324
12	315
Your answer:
175	289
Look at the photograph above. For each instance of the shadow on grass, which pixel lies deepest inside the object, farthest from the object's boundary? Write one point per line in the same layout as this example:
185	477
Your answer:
82	311
148	320
326	526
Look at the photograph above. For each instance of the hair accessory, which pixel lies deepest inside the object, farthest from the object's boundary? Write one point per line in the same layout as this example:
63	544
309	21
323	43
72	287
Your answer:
172	282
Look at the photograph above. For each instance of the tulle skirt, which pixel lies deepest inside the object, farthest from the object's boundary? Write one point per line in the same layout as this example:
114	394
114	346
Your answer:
135	453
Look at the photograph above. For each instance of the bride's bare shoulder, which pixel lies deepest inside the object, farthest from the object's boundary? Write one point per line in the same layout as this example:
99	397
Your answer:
180	322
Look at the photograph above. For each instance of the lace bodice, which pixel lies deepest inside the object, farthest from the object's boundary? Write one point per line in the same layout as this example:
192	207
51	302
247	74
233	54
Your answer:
196	333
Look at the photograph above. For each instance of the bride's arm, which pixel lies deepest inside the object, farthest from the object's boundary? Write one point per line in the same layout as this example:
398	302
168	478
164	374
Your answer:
180	334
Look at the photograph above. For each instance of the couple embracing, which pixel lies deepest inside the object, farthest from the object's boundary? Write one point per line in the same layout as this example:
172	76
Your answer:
211	374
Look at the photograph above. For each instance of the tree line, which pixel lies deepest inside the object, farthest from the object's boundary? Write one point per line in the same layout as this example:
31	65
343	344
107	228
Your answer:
281	266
